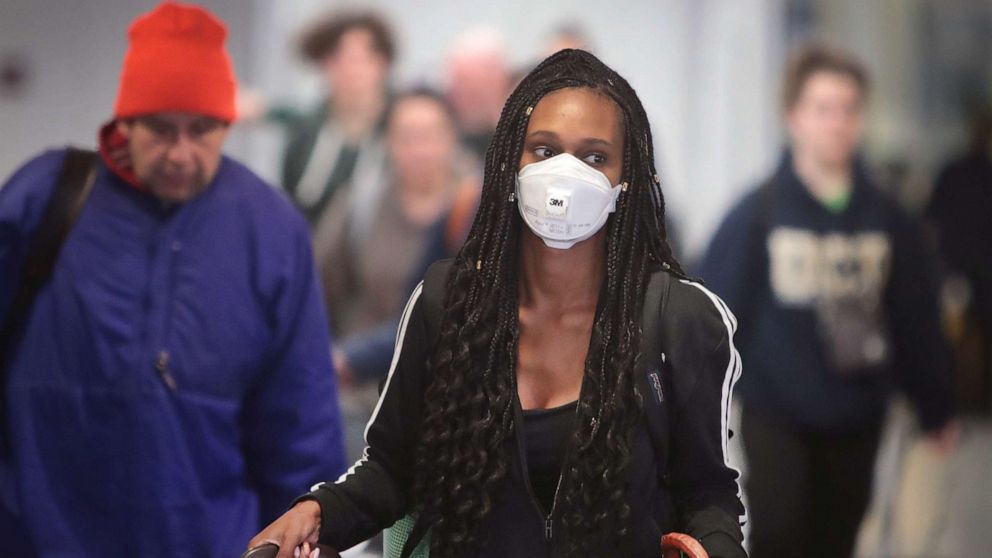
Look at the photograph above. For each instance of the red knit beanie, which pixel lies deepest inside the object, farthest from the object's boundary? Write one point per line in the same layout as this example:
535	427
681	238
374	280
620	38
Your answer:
176	62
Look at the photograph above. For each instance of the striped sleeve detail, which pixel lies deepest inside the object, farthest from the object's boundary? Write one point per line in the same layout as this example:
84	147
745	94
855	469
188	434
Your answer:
730	377
397	349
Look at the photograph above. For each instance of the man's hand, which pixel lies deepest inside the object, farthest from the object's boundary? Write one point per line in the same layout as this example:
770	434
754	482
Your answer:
295	532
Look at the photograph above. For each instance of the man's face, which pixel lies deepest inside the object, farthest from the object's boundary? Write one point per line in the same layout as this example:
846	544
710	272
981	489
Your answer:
478	87
827	118
174	155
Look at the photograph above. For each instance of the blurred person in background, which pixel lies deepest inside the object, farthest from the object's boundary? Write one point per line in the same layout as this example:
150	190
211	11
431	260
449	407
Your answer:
961	209
836	292
429	202
566	35
478	81
339	145
561	37
169	386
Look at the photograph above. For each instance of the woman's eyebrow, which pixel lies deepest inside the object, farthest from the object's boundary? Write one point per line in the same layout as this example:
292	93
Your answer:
597	141
543	133
548	134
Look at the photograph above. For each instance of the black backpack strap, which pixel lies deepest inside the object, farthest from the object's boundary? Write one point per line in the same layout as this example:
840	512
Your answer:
653	371
432	300
654	297
74	184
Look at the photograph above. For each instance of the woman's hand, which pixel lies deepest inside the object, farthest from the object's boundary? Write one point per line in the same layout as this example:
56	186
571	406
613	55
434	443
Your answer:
300	526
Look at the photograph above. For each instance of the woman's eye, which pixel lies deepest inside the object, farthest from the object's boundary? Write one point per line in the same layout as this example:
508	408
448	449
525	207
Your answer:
595	159
545	152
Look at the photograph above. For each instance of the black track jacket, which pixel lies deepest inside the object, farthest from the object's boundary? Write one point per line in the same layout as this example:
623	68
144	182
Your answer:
678	478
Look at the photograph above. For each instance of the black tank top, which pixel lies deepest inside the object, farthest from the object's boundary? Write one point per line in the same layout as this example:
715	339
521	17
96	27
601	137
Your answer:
546	434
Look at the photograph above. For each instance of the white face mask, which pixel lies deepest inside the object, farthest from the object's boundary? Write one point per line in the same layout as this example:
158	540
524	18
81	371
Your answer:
563	200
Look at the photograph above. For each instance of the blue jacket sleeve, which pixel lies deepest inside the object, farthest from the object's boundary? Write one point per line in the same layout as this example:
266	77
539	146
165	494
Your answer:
293	433
727	267
23	199
922	354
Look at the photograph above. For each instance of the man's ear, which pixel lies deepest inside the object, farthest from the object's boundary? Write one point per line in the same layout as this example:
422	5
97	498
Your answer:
124	128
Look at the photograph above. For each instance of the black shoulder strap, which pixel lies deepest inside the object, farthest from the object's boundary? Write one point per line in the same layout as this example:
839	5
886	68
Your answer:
652	373
653	299
435	282
73	187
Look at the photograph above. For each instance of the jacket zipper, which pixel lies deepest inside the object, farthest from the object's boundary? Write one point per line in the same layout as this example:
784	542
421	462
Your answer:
172	248
548	523
522	452
162	367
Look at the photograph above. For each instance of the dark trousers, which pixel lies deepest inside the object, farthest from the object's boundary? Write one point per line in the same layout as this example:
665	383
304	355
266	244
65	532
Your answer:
807	491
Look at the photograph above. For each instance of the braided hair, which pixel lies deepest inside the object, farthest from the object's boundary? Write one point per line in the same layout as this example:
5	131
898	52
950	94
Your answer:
470	404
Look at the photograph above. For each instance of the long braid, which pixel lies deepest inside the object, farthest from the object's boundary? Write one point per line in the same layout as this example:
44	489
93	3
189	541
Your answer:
462	453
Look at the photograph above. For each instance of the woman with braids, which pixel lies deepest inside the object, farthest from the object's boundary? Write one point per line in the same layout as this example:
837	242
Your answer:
560	388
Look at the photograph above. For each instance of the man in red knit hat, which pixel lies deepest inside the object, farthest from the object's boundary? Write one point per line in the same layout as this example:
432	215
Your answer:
164	356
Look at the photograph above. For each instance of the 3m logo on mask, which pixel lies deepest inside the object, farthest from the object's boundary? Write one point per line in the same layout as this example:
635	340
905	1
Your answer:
556	204
563	200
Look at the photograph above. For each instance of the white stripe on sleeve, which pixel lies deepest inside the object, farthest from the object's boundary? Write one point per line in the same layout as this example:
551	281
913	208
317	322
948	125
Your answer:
397	349
731	375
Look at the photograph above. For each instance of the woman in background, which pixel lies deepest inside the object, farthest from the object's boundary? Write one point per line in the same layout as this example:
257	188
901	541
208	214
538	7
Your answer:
429	199
338	144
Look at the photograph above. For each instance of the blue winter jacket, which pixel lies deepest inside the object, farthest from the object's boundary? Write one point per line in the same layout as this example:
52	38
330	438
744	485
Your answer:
173	390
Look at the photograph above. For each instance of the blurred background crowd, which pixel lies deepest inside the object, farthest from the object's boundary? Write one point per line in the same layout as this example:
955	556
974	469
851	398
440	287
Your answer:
375	119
